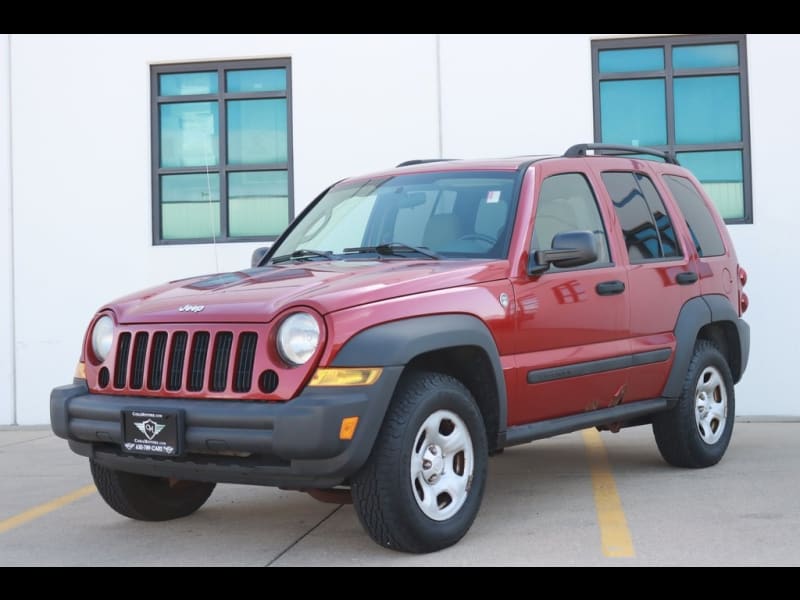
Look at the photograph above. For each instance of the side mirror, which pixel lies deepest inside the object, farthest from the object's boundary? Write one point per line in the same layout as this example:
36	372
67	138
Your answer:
258	256
570	249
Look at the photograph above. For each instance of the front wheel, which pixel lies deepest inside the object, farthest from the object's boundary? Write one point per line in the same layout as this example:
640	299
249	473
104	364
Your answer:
696	432
146	498
422	486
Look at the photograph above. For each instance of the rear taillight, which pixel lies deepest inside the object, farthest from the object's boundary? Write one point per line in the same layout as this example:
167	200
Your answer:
744	301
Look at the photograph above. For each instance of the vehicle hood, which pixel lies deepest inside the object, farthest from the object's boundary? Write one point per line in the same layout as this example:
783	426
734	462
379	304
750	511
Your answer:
258	295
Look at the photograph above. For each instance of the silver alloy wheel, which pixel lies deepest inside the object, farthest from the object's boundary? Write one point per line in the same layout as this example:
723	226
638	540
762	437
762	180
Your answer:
711	405
442	462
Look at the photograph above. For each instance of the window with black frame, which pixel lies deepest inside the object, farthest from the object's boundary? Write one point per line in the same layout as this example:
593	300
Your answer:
222	153
686	94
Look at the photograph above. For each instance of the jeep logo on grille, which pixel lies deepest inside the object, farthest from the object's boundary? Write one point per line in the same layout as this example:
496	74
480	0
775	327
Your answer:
195	308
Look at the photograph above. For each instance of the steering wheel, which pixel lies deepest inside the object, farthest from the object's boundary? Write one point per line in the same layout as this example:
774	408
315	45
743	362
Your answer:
480	237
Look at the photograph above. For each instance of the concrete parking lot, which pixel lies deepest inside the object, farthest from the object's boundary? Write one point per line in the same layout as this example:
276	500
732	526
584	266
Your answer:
553	502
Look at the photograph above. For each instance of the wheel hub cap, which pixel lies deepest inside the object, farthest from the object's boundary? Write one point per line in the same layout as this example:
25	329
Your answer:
442	464
711	405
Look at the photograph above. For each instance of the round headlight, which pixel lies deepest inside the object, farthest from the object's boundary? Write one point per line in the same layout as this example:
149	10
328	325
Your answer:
102	336
298	337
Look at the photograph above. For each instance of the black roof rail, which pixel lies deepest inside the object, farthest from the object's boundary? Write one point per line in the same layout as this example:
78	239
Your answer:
420	161
580	150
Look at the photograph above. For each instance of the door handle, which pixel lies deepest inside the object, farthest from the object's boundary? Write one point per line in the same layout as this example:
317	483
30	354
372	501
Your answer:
609	288
686	278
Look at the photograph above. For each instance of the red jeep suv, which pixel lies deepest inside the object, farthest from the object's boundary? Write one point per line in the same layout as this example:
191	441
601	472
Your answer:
410	323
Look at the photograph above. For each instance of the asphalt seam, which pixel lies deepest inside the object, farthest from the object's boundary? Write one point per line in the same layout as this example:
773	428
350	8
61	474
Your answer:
302	537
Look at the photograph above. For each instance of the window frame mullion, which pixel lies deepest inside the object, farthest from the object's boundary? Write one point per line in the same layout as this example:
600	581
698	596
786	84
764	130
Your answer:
223	156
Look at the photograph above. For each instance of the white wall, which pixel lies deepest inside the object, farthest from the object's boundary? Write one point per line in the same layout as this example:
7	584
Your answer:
767	248
6	315
507	95
81	166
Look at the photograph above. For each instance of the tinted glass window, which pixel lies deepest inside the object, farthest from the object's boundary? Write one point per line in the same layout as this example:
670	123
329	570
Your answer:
646	227
701	224
464	214
666	232
633	111
566	203
223	165
685	94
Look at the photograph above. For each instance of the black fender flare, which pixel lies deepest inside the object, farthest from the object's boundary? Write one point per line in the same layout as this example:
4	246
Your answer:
695	314
398	342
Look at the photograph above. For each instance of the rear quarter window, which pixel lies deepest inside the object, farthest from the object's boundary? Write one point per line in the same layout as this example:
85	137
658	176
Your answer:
702	225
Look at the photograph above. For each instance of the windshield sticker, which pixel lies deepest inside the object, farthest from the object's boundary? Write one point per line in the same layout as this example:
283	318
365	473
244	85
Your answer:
493	197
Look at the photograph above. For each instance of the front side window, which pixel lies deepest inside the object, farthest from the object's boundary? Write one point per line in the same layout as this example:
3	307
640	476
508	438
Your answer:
427	215
221	151
685	94
567	203
646	226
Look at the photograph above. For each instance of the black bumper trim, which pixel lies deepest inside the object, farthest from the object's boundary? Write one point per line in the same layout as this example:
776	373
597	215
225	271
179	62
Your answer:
291	444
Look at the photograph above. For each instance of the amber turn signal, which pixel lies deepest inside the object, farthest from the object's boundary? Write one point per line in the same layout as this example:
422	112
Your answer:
348	428
345	377
80	370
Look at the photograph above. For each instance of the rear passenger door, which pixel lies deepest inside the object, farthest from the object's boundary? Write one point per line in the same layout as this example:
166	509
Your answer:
571	333
713	261
661	277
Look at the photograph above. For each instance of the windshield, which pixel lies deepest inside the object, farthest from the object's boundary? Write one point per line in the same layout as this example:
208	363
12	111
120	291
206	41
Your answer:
463	214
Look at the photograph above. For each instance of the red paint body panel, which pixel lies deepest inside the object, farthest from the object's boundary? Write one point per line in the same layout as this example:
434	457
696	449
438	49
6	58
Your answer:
552	319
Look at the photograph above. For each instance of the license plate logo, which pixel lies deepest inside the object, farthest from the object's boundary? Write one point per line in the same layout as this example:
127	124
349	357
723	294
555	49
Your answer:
149	428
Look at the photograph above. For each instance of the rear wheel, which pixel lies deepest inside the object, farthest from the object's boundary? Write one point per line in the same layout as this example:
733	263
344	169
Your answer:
146	498
696	432
422	486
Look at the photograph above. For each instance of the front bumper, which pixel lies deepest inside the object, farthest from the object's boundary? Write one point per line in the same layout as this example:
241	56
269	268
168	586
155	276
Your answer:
292	445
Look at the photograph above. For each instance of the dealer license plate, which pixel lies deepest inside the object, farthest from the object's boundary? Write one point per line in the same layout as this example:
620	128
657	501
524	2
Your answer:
150	432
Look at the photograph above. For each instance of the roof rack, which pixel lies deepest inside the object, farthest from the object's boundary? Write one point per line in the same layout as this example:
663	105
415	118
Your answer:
580	150
420	161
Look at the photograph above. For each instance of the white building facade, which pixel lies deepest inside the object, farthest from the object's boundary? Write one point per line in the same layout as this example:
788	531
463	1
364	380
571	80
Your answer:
109	144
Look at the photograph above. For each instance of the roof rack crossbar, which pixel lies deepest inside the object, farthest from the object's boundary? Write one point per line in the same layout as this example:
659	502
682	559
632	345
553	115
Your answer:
420	161
580	150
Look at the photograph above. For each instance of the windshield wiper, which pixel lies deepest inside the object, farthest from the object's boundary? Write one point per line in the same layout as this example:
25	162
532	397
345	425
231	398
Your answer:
395	249
302	253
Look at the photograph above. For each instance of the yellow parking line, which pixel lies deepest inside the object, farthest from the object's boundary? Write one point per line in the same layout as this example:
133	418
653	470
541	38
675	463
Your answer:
43	509
615	537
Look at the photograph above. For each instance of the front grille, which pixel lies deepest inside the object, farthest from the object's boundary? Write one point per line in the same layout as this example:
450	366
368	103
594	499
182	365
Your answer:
193	361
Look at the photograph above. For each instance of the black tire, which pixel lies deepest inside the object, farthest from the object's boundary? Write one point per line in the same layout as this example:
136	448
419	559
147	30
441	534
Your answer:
383	493
146	498
677	432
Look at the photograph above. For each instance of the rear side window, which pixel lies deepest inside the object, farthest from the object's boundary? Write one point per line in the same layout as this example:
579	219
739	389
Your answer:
646	226
701	224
